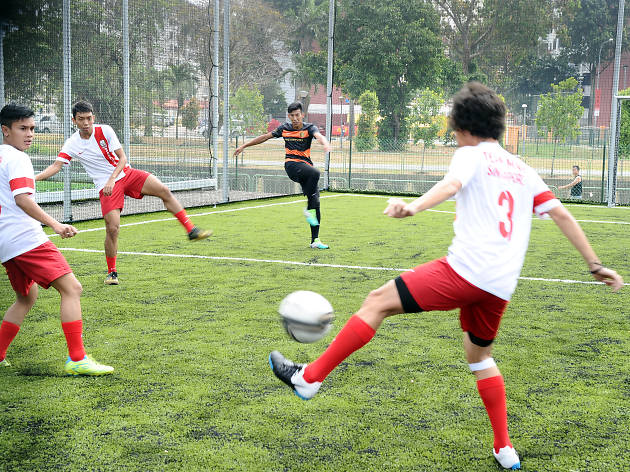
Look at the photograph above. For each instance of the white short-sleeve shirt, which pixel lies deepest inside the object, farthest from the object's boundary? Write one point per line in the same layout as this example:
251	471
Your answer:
96	154
19	233
494	215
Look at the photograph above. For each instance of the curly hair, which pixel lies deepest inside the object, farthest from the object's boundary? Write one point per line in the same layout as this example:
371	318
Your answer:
478	110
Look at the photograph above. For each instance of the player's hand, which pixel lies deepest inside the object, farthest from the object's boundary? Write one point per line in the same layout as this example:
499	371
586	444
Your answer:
66	231
238	150
397	208
609	277
327	147
109	188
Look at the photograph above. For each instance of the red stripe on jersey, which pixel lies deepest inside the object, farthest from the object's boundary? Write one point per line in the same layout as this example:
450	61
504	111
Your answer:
100	139
65	156
543	197
21	182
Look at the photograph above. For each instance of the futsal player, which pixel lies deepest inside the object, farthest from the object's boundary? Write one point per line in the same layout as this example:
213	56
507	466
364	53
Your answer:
97	148
495	194
25	251
298	136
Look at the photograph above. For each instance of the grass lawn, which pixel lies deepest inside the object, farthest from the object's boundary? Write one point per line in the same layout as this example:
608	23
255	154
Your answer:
191	325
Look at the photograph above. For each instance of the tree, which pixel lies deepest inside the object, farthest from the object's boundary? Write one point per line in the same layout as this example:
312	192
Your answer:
560	111
190	114
274	102
307	27
474	28
391	48
183	80
423	120
590	24
366	136
247	106
32	50
624	131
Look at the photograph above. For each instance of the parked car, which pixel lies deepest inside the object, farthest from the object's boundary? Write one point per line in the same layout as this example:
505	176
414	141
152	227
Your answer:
48	124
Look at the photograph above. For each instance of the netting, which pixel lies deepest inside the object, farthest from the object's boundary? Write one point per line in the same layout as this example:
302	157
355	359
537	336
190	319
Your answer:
392	80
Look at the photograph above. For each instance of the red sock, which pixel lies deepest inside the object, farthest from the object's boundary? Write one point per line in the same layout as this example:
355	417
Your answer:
111	264
353	336
8	332
492	392
74	337
184	220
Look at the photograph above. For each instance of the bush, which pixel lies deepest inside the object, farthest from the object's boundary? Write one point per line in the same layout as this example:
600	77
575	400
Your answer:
366	136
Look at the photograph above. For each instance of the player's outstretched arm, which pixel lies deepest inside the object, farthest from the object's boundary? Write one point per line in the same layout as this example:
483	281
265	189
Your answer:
321	139
572	230
49	171
32	209
441	191
257	140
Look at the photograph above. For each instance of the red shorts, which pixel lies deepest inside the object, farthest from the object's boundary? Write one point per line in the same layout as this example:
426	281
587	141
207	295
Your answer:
436	286
130	185
42	265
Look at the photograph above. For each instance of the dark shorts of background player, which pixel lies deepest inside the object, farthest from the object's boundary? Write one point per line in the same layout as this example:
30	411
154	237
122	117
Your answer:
436	286
304	174
42	265
131	185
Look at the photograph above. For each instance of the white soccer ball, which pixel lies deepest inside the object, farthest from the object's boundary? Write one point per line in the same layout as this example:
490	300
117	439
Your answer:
306	316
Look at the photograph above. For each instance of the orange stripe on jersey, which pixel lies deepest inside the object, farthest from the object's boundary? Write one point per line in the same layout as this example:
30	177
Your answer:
21	182
295	134
297	160
295	152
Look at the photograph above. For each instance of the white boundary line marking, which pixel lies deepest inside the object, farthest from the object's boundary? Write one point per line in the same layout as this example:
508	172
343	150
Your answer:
296	263
231	210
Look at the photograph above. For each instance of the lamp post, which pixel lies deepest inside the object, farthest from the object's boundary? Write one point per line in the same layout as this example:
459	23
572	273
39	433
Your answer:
597	92
524	106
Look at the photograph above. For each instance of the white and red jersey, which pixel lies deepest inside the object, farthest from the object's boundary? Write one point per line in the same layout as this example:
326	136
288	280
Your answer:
494	215
19	233
96	154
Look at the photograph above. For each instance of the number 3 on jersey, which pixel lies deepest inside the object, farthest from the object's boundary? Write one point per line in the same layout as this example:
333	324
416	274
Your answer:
506	202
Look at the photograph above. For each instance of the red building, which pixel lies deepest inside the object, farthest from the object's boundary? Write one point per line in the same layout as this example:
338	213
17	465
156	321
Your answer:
606	73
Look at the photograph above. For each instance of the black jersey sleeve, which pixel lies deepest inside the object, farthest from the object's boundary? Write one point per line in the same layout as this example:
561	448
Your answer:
277	133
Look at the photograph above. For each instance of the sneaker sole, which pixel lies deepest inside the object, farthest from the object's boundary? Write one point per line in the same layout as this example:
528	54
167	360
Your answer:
210	233
76	374
294	390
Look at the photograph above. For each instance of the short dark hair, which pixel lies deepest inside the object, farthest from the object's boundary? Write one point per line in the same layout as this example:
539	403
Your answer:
82	106
576	167
13	112
478	110
294	106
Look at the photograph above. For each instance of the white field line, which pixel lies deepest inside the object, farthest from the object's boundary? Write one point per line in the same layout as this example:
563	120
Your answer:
296	263
231	210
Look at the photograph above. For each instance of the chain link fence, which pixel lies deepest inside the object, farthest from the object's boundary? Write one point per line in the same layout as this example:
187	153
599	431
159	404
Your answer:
161	101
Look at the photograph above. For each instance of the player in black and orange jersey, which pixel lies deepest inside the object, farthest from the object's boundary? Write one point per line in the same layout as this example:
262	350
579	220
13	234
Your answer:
298	136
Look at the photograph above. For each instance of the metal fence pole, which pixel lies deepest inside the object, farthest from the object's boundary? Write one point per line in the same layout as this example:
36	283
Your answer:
2	99
614	110
329	86
126	106
67	113
215	90
226	99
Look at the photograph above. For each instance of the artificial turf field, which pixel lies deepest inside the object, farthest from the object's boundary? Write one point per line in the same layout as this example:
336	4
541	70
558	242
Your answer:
191	325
